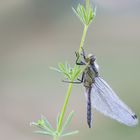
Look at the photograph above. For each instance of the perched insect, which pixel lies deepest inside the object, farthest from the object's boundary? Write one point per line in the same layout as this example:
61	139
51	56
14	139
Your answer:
100	96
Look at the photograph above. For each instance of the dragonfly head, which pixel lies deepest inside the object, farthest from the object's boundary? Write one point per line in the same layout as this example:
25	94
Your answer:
91	58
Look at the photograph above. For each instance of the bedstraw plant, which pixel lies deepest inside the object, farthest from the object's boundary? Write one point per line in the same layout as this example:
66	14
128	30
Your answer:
86	14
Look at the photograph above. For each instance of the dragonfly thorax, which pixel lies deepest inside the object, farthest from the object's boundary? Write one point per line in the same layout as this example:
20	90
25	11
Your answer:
91	59
90	73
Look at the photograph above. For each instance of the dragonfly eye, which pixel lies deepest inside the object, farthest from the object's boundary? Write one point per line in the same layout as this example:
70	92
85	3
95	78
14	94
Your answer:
91	58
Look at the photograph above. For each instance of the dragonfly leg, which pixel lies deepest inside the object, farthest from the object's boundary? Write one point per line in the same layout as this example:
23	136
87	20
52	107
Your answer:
83	54
77	59
76	82
82	78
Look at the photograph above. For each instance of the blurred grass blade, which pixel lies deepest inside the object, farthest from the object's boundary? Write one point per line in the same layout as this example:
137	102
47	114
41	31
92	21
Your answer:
70	133
57	119
42	124
77	71
37	125
44	133
67	122
47	124
63	70
79	13
86	15
94	12
55	69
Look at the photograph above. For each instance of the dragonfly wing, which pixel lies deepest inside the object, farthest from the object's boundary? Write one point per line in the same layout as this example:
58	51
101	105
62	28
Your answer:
107	102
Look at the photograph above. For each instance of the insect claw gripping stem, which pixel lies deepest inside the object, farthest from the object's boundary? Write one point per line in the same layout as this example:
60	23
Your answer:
80	63
77	55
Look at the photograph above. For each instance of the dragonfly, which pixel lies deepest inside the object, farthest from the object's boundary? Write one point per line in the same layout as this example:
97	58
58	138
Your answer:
99	94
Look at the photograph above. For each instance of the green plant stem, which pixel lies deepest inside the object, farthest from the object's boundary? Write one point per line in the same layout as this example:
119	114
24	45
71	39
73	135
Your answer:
85	30
70	85
64	108
55	138
83	38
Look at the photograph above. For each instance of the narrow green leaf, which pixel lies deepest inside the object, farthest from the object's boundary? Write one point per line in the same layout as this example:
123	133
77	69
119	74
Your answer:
95	10
91	16
87	5
77	74
79	13
36	125
46	128
68	120
68	69
77	71
63	70
33	124
79	10
55	69
74	73
85	15
47	123
61	67
44	133
75	11
70	133
57	119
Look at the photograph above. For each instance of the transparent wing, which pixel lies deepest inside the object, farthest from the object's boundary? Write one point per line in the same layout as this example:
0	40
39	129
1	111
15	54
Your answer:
107	102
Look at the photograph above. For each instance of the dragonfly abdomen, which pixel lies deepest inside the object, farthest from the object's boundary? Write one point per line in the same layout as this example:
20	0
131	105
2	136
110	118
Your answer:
89	114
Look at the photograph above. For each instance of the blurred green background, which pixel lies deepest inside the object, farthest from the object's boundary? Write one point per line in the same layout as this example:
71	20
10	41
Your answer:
37	34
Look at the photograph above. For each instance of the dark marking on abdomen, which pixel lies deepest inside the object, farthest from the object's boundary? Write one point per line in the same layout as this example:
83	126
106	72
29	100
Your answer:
89	114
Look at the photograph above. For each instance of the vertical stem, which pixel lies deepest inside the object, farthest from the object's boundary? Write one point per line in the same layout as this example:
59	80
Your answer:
70	85
85	28
64	108
55	138
83	38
